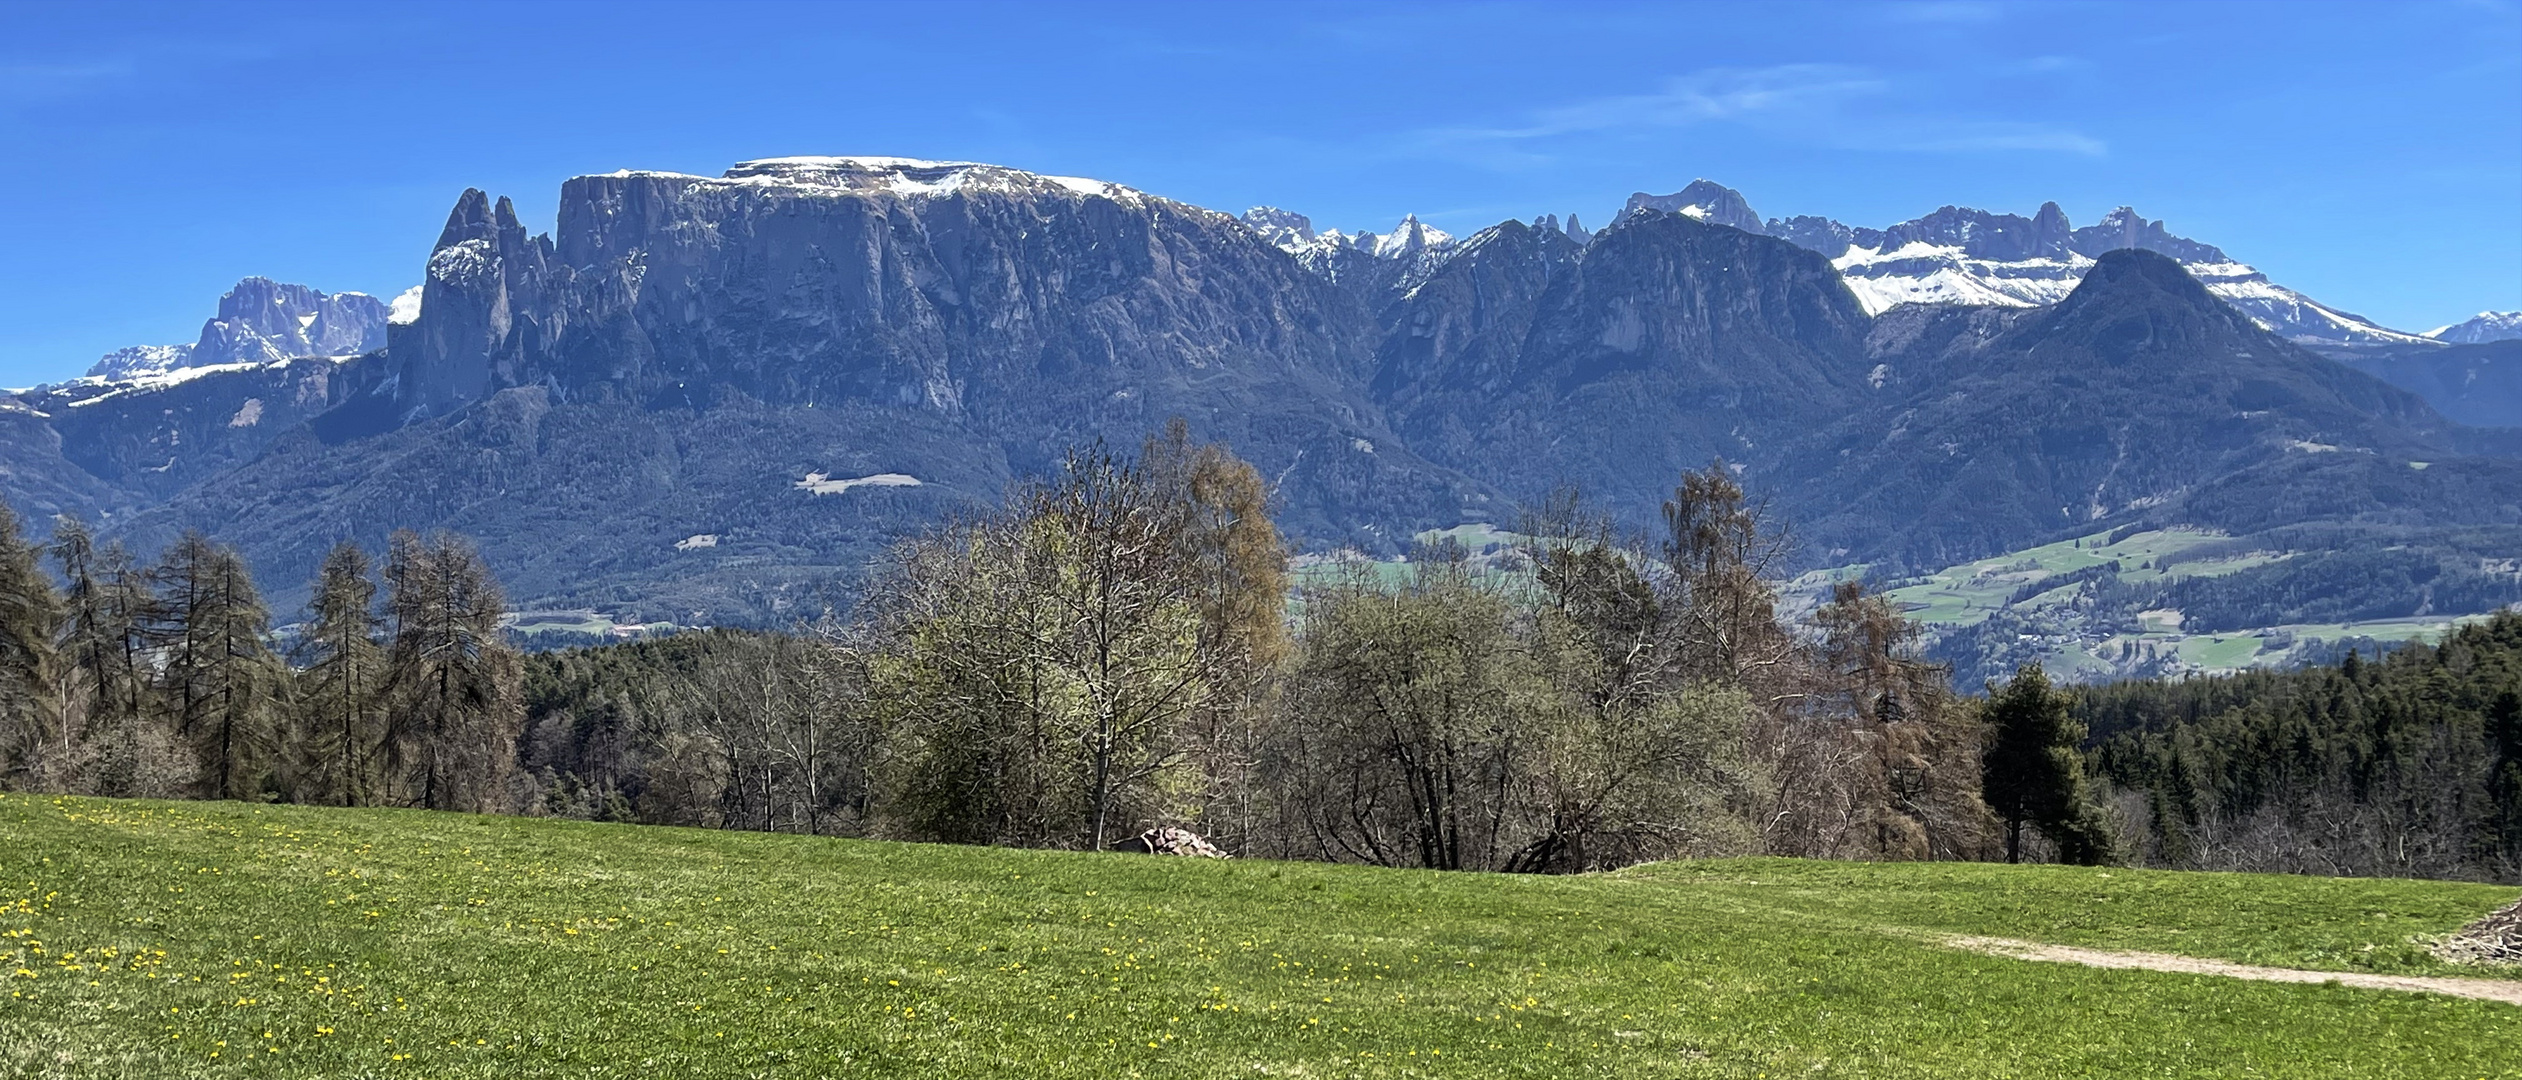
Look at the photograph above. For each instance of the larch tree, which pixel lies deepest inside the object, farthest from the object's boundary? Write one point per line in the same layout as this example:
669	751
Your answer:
222	683
340	700
30	617
113	740
1917	793
1232	550
455	702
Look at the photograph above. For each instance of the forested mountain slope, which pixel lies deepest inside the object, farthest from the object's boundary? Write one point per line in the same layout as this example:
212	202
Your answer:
2406	766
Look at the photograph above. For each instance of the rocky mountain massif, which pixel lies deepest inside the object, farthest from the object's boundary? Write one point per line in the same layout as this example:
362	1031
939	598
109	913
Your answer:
261	321
711	399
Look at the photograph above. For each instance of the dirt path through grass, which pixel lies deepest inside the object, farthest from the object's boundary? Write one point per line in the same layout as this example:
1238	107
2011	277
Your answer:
2504	990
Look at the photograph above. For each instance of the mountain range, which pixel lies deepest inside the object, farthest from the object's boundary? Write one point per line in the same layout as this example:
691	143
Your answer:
712	399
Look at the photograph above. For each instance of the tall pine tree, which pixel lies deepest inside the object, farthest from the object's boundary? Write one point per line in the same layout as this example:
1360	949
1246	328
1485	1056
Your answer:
2031	773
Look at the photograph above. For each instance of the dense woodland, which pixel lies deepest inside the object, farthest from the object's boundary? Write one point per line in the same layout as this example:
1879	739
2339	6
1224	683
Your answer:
1124	645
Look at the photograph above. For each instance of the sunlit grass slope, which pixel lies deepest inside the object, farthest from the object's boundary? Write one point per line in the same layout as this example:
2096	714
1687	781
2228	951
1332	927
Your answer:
195	939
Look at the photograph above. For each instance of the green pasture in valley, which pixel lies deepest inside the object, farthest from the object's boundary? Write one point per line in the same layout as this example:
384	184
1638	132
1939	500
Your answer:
222	939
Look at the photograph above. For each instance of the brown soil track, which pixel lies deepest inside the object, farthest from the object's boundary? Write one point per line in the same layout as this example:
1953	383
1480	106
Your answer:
2508	991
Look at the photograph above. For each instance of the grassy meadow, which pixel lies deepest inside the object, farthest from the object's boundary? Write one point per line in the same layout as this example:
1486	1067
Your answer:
225	939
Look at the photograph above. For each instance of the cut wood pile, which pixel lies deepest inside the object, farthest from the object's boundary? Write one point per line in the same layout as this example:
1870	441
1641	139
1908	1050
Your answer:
2495	939
1171	841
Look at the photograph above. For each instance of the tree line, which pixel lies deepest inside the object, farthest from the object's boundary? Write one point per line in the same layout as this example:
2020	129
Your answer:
1122	644
2409	765
166	679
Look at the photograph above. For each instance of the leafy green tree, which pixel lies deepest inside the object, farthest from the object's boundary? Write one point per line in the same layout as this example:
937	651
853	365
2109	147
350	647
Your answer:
1413	705
2032	774
1042	667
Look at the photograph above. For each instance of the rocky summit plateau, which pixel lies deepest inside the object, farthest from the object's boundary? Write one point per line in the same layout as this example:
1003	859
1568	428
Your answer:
803	358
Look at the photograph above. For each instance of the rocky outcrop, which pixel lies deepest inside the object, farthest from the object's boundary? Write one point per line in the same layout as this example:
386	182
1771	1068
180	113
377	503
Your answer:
1705	200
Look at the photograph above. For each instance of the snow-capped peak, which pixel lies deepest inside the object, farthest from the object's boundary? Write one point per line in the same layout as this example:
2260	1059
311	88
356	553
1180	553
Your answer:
2479	329
259	321
1284	228
1408	238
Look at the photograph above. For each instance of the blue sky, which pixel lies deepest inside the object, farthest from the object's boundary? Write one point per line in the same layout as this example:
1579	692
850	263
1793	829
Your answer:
2369	155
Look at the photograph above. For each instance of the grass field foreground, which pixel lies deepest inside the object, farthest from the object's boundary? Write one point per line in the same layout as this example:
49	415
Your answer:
221	939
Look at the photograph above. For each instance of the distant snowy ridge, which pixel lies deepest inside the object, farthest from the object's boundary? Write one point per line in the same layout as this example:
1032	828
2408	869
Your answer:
2480	329
1959	255
262	321
141	360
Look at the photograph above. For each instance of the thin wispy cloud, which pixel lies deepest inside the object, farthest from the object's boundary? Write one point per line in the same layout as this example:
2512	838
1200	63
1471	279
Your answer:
1720	94
36	82
1968	12
1828	104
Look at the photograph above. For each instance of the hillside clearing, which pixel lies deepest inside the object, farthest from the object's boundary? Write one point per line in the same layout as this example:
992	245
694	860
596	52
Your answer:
217	939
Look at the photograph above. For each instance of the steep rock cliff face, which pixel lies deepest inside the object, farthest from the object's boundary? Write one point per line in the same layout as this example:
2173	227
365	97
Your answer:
1034	312
1668	343
262	320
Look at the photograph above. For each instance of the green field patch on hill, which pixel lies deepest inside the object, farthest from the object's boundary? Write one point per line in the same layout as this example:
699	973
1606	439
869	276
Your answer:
1969	592
221	939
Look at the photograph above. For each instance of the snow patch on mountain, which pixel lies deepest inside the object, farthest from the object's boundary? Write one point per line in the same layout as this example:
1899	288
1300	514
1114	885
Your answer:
405	310
823	484
908	178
